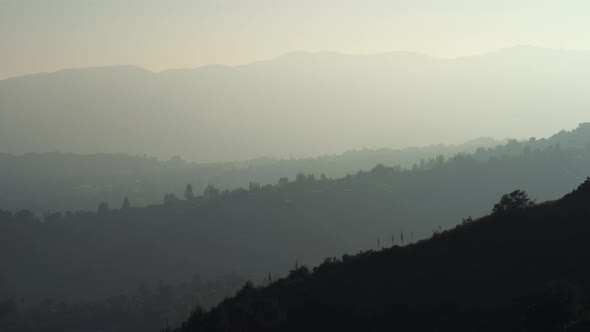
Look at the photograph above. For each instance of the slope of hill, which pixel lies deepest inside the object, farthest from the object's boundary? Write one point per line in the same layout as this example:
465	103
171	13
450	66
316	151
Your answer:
519	268
145	309
233	231
55	181
303	104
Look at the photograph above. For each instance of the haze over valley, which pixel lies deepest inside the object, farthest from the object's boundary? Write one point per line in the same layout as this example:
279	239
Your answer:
287	166
297	105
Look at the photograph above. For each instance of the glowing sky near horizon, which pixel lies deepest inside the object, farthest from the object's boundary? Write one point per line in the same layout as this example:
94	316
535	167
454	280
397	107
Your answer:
48	35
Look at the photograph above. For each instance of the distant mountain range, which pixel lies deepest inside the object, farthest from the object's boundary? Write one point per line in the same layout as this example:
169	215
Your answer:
299	104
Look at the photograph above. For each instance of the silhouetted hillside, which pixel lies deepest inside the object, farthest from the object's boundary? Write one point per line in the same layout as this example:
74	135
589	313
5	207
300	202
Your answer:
265	228
55	181
58	181
145	309
522	268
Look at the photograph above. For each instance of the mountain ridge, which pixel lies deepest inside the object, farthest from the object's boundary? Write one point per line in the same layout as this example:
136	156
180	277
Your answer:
311	54
302	105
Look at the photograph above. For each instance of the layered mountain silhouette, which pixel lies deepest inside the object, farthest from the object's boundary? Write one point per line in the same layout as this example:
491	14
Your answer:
79	181
266	228
58	181
522	268
300	104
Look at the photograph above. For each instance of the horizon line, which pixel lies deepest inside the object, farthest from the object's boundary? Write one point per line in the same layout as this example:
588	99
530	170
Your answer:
294	52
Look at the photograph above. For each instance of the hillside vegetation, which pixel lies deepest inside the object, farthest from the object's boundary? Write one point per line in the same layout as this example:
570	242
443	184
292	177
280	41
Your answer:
57	181
309	217
522	268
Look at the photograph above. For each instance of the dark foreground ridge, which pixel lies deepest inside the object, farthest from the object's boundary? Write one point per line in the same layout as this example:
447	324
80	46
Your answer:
522	268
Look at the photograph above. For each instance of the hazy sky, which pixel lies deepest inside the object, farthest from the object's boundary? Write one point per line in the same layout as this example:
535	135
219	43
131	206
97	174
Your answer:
46	35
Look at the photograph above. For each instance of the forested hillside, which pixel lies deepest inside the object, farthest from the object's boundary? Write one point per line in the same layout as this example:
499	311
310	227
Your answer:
58	182
522	268
294	166
119	247
146	308
92	262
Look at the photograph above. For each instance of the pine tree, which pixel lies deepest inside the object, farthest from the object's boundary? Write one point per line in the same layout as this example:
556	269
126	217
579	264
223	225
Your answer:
188	192
126	204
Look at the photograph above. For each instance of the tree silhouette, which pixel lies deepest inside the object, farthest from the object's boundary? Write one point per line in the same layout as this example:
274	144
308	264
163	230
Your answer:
103	208
170	199
188	192
210	191
253	186
300	177
515	200
126	204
